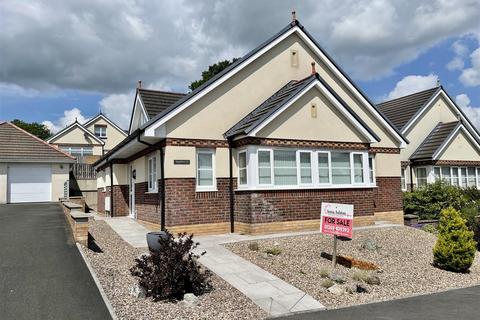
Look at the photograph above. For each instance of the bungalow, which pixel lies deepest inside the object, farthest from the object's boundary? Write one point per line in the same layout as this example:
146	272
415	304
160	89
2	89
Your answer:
444	145
257	148
90	140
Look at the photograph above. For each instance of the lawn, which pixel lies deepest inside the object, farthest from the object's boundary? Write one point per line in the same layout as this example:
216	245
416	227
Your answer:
403	255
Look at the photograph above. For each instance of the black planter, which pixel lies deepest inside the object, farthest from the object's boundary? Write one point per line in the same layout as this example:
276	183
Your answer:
152	239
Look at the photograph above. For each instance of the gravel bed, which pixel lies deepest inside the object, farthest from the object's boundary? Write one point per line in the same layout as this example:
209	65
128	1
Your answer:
112	269
404	257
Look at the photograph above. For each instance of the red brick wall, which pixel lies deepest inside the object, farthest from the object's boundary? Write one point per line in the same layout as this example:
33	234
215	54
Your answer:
185	206
147	204
120	200
388	195
289	205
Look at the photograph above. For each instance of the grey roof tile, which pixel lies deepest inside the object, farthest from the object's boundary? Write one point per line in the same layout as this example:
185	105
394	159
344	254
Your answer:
399	111
157	101
17	145
434	140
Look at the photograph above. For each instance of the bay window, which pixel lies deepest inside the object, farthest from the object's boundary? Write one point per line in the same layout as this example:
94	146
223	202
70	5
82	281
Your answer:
455	180
463	175
265	167
446	175
357	168
284	168
472	182
205	173
437	174
152	174
341	170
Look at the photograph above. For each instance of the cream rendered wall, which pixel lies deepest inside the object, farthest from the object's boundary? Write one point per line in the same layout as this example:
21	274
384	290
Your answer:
120	174
114	136
243	92
60	174
460	148
189	171
297	122
3	183
101	179
440	111
140	166
75	136
387	165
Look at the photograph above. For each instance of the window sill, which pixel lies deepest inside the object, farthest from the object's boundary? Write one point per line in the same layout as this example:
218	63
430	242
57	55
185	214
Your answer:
206	190
266	188
153	191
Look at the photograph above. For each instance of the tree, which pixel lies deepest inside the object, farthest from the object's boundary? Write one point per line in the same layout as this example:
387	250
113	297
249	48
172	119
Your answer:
455	248
211	72
35	128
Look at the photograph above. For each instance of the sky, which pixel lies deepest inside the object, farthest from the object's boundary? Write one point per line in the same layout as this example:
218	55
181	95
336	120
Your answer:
66	60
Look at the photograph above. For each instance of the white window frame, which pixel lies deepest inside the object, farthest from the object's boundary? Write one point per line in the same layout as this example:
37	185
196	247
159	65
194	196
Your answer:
212	187
253	170
403	172
433	173
103	127
371	170
426	176
478	177
240	168
152	173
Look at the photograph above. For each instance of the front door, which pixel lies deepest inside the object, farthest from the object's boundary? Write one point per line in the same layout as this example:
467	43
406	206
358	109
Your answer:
131	192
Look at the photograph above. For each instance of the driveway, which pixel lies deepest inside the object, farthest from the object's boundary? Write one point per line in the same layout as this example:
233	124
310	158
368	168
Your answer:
42	275
454	304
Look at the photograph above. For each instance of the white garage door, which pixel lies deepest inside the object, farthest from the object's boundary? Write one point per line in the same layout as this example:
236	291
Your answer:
29	183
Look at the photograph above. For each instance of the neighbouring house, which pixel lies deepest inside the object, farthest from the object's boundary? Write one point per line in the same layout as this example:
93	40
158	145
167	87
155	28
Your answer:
257	148
31	170
89	141
444	144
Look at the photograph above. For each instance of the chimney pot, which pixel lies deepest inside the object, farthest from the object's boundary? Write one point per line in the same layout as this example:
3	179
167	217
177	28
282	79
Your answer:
313	68
139	84
294	16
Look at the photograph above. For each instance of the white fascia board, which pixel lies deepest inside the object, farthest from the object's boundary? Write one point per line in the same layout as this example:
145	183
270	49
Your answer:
447	142
319	53
86	124
142	109
331	98
451	103
160	132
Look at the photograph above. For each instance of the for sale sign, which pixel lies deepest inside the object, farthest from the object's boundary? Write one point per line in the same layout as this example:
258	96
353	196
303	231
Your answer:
337	219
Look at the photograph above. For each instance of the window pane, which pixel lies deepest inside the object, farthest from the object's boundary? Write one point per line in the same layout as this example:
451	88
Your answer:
264	167
446	175
341	173
403	180
242	164
463	172
358	168
370	170
471	177
478	177
285	167
87	151
305	167
436	173
323	172
421	177
205	177
455	180
205	161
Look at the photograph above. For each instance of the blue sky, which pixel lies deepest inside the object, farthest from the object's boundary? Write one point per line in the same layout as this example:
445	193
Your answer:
83	58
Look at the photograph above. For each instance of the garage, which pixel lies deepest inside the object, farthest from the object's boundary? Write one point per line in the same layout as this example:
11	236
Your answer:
31	170
29	183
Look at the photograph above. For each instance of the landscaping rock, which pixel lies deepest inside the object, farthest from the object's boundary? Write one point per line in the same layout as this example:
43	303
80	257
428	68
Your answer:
337	290
190	300
337	278
369	245
361	288
138	291
373	280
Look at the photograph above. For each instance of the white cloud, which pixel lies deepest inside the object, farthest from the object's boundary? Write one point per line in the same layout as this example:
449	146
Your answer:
411	84
118	108
471	76
69	116
472	113
459	48
456	64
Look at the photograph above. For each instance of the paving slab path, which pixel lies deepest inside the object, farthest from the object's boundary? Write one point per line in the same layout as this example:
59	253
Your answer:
42	274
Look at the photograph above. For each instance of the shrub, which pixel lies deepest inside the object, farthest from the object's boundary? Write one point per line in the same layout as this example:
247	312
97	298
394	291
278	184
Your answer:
360	276
327	283
471	215
253	246
427	202
274	251
430	228
172	271
455	247
324	273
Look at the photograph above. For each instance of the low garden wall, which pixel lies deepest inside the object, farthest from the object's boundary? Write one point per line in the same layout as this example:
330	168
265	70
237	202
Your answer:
77	220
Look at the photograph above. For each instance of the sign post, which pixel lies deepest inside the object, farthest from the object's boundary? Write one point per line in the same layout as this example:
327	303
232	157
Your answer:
336	219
